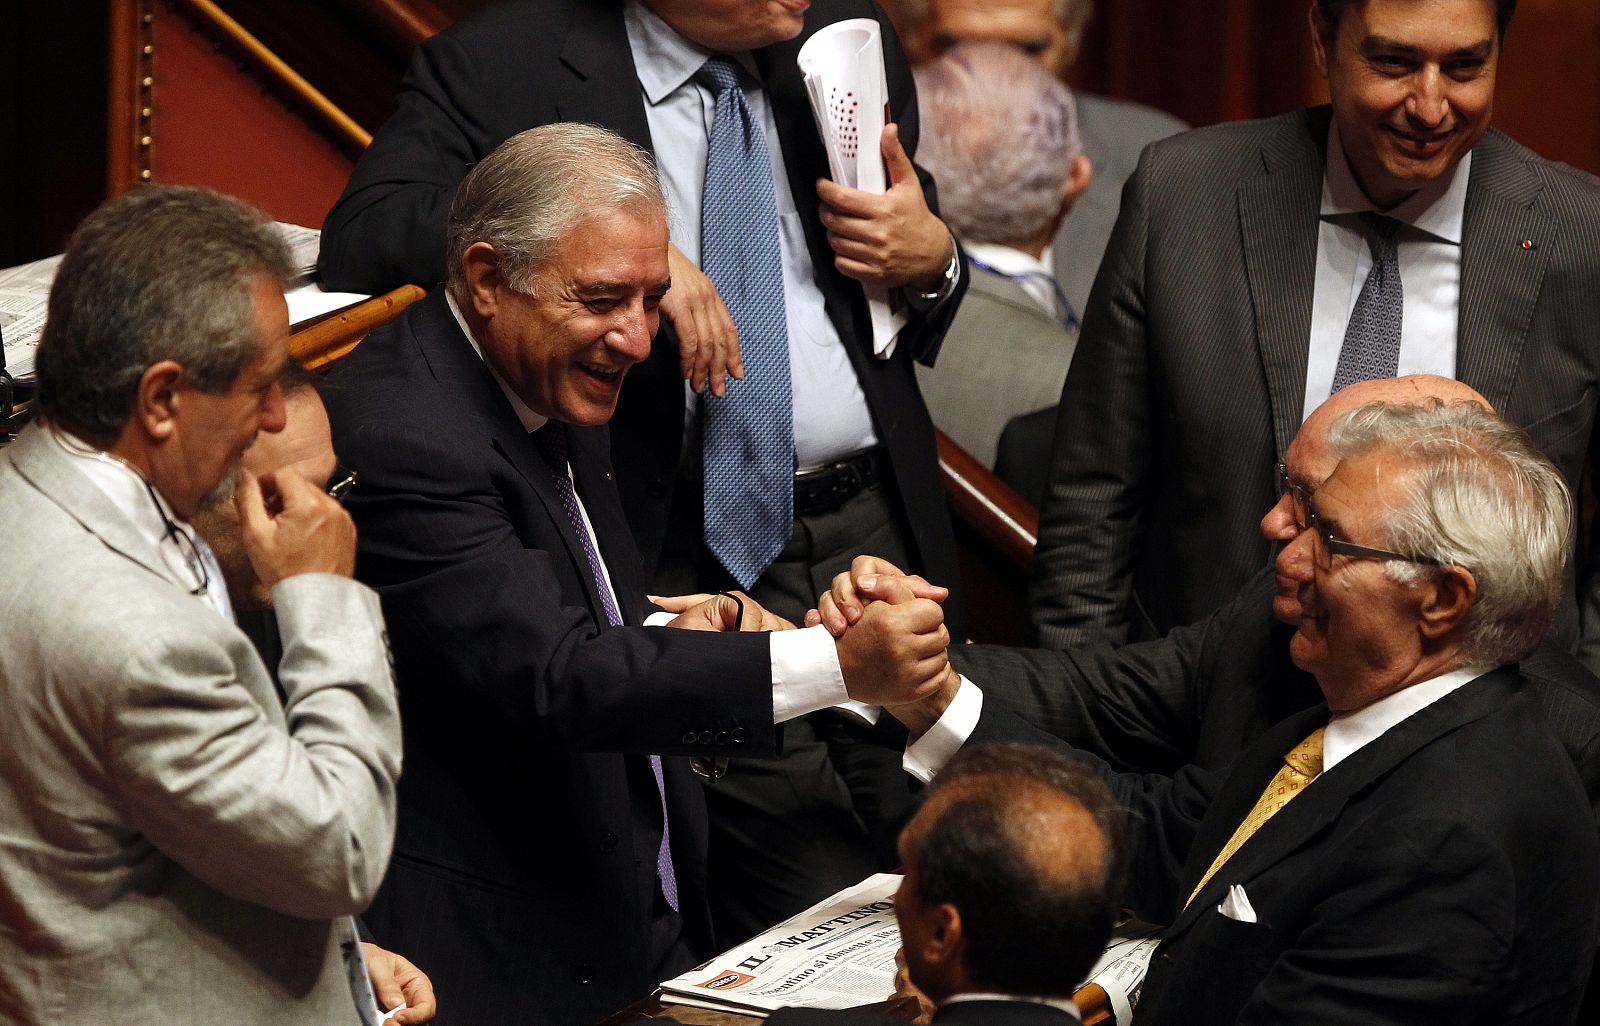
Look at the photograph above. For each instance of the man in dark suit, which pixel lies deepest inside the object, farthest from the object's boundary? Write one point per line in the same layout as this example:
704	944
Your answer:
547	866
1415	849
864	464
1225	296
1014	868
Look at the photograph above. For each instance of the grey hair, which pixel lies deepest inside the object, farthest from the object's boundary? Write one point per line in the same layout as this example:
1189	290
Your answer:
159	273
1073	15
999	132
537	186
1476	494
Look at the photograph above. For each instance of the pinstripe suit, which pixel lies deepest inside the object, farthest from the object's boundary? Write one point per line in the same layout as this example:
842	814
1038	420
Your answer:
1189	377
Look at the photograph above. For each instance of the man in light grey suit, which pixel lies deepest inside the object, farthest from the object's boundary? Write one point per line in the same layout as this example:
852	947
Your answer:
1223	305
179	843
1011	181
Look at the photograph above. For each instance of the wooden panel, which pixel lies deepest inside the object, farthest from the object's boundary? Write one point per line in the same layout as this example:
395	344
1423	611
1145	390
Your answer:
213	125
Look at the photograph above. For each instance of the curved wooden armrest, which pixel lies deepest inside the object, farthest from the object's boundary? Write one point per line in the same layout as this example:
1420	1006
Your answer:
988	505
326	341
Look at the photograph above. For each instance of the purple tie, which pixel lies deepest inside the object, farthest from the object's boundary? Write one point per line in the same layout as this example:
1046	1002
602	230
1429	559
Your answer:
551	441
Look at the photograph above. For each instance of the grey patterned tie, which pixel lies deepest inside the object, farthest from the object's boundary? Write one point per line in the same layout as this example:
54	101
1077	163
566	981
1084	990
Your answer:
551	441
749	433
1372	338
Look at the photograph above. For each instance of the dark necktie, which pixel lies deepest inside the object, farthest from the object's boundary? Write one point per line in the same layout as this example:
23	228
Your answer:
749	433
1372	337
551	441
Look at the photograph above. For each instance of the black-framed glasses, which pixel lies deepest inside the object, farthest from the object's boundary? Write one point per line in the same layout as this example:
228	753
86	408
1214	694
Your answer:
1324	545
342	480
182	539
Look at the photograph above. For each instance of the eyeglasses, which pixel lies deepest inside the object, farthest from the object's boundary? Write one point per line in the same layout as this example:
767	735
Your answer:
342	480
183	540
1324	545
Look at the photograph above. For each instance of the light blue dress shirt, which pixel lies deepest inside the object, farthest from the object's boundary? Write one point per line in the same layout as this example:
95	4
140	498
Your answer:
831	419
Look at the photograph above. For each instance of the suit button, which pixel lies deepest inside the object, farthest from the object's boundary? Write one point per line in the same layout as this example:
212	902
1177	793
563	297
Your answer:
583	975
689	737
609	842
706	737
722	737
656	489
736	734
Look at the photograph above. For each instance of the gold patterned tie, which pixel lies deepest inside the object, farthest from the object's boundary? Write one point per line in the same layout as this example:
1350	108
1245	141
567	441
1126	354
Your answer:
1300	767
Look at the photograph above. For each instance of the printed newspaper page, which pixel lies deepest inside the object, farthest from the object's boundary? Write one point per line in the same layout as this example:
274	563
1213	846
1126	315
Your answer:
24	293
840	953
836	954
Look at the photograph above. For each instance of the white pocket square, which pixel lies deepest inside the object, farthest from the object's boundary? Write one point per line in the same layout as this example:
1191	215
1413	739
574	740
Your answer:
1236	905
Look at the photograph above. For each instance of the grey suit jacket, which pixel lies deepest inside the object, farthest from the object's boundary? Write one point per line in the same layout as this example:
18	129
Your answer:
1190	372
1002	357
1114	133
177	843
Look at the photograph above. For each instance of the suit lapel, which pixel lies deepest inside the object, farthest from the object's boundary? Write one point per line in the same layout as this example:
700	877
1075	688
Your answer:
590	450
597	56
1321	803
461	372
1500	279
38	458
1278	225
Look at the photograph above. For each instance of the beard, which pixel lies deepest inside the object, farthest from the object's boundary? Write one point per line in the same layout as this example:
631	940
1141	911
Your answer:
222	491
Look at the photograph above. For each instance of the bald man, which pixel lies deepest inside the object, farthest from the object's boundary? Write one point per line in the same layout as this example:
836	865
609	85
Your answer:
1203	692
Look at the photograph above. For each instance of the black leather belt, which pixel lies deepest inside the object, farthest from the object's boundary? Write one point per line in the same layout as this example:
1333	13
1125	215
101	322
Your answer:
826	488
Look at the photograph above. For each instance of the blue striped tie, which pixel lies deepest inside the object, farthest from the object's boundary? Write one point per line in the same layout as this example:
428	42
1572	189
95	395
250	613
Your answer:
749	433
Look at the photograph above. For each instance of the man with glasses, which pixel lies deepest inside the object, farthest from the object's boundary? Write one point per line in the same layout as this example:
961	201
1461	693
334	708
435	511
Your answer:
185	838
1415	847
1204	691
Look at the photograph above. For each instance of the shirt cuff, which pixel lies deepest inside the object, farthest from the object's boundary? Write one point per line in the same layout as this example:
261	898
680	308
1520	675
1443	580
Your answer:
660	618
805	673
927	755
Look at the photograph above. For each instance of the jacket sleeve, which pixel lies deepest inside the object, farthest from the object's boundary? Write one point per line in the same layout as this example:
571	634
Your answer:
300	820
1092	519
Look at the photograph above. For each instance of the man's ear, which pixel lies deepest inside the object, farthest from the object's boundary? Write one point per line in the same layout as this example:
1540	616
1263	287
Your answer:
945	941
481	265
1079	174
156	403
1445	601
1319	38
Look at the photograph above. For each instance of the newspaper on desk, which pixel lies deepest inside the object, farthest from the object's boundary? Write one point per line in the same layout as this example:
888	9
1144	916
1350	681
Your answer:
843	69
840	953
25	295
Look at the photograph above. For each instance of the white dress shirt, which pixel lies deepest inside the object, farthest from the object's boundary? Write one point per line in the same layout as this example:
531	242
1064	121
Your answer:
831	419
805	663
1428	247
1031	275
186	562
1346	733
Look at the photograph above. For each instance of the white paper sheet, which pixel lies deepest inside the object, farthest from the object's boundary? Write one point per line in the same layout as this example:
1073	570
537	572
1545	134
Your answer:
843	69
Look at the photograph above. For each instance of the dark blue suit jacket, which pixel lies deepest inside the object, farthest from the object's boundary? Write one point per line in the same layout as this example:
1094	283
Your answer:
523	878
1449	871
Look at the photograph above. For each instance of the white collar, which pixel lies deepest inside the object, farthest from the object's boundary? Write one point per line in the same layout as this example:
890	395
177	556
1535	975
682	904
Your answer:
531	421
1007	260
1437	209
1348	732
1061	1004
131	494
663	60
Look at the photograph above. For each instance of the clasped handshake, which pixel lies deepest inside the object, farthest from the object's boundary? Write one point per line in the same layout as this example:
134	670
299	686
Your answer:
888	628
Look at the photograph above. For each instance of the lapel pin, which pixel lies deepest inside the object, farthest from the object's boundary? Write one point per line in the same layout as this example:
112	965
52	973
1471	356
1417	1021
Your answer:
1528	244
